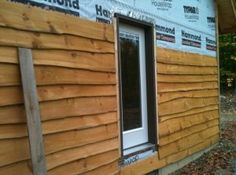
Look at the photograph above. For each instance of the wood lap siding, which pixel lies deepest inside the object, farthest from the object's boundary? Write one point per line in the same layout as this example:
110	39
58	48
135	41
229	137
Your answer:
188	103
74	64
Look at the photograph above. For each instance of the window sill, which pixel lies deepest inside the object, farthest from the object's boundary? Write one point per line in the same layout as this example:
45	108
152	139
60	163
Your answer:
136	153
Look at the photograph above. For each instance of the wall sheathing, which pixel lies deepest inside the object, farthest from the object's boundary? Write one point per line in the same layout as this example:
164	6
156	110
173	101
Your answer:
74	62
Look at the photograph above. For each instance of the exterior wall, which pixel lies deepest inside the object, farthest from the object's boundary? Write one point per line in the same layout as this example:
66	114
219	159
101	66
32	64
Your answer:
187	108
74	62
76	82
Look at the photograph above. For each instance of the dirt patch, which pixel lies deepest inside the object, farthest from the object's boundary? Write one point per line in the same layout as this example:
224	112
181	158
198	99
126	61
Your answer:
221	160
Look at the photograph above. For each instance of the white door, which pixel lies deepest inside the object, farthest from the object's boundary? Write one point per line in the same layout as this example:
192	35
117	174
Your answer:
133	85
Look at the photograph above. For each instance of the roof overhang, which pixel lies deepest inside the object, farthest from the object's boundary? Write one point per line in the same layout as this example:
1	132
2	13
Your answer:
227	16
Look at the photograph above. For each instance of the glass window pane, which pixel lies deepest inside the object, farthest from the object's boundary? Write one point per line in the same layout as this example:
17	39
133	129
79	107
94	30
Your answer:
129	46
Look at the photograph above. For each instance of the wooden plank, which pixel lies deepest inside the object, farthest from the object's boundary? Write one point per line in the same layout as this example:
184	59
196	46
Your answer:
177	124
75	59
192	111
76	138
47	75
22	167
110	169
176	157
9	75
170	56
187	142
185	70
8	131
92	162
76	107
8	55
186	78
82	122
14	150
50	75
72	59
169	96
32	112
35	19
26	39
12	95
185	104
70	155
186	132
61	109
172	87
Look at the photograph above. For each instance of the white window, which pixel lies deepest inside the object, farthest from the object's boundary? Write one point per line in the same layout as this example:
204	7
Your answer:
137	87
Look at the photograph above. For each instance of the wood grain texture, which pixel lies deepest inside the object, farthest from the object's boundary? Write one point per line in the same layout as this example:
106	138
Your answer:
192	111
35	19
76	107
170	96
186	132
186	78
8	131
28	39
185	104
23	167
32	112
70	155
170	56
92	162
187	142
75	59
12	95
185	70
51	75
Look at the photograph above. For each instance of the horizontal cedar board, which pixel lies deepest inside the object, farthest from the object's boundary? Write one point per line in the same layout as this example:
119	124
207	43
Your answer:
186	132
17	38
50	75
70	155
168	96
8	55
77	167
15	150
75	59
172	87
187	142
23	168
176	124
41	20
210	141
185	104
201	146
185	70
12	114
75	138
60	109
60	125
110	169
92	162
71	59
186	78
190	112
12	95
143	166
170	56
77	106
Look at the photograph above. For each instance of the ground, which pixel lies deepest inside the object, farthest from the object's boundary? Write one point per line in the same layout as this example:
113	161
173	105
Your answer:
221	160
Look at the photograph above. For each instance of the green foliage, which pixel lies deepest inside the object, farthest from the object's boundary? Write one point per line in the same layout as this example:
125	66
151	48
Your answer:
227	60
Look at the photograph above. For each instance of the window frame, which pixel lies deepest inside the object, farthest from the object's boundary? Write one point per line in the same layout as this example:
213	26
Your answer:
151	78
